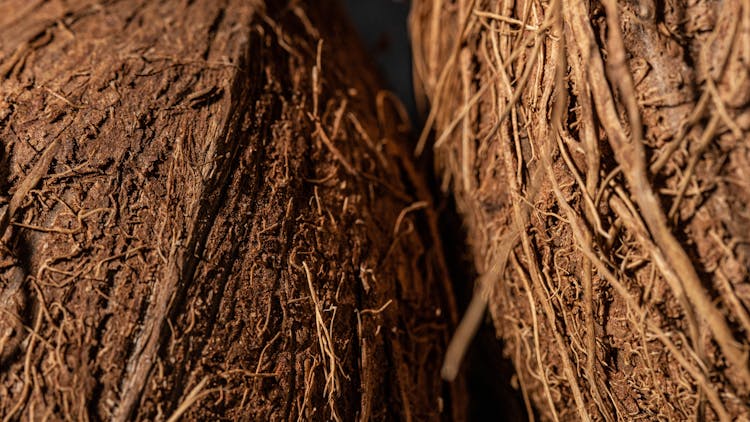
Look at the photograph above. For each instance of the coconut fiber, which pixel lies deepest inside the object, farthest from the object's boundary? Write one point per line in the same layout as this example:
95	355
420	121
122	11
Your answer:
208	212
599	153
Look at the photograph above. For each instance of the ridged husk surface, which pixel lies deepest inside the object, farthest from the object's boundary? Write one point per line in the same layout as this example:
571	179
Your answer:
207	212
599	153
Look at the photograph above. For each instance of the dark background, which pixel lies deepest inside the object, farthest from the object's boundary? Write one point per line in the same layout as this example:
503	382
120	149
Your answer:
382	25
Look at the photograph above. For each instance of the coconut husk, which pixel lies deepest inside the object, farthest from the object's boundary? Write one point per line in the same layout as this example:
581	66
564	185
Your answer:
599	155
209	213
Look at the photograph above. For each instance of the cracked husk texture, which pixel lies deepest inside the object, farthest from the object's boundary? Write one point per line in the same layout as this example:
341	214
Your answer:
207	213
599	153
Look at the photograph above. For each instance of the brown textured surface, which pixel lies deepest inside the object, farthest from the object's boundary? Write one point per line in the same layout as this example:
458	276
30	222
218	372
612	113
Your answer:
599	155
209	213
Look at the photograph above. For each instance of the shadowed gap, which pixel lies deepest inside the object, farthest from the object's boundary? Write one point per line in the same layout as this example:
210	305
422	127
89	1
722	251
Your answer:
382	25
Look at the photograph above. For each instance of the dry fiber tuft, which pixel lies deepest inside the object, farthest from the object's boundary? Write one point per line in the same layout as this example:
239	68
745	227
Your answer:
599	154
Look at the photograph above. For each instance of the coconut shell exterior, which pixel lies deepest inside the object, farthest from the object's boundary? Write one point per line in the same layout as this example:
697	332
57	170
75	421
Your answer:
208	213
599	155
